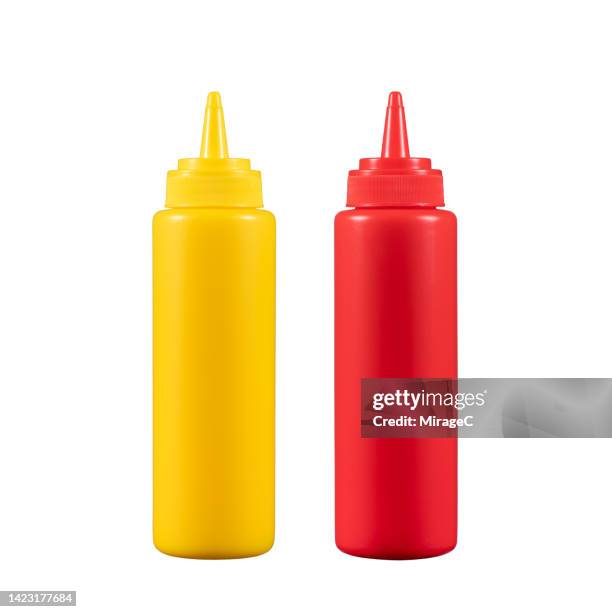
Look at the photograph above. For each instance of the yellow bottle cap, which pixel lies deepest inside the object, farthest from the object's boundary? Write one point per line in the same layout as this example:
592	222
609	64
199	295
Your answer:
214	179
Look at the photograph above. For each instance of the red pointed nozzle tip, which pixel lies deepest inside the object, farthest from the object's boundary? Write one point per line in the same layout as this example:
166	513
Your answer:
395	140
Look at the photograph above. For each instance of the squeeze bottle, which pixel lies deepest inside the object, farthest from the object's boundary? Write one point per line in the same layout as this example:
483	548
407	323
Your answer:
213	356
395	317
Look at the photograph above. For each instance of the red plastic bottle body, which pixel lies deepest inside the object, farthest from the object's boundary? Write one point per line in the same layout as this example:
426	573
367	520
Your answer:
395	317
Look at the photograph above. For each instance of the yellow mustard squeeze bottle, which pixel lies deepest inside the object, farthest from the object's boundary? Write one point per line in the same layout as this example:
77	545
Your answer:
213	356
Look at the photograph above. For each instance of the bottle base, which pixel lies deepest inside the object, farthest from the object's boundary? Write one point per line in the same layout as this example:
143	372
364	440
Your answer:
396	555
212	555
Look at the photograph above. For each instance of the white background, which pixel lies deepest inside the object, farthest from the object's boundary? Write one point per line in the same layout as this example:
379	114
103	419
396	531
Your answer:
99	100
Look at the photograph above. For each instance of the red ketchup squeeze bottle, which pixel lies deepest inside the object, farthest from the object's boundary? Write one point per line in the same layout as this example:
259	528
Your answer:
395	317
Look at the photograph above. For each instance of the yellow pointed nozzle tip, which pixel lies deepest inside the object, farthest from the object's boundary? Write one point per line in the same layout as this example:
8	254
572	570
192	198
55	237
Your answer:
213	100
214	140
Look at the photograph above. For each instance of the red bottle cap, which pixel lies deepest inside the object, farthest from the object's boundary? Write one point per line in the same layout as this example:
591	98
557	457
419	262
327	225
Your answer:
395	178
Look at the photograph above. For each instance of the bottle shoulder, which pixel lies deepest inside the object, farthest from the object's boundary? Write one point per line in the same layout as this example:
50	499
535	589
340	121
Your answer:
395	214
186	214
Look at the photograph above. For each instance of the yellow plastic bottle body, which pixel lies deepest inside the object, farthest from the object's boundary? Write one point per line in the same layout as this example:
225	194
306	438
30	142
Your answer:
213	369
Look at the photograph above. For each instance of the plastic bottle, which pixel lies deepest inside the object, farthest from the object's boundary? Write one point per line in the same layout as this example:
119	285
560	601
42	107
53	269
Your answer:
213	356
395	317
